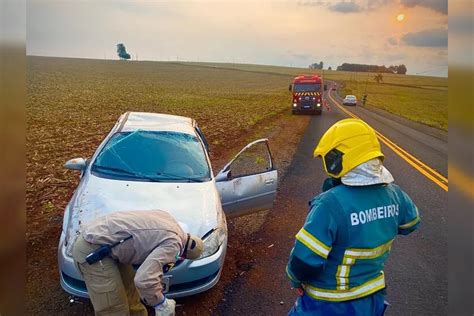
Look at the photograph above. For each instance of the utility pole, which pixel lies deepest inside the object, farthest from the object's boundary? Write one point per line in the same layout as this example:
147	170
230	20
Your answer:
364	99
366	82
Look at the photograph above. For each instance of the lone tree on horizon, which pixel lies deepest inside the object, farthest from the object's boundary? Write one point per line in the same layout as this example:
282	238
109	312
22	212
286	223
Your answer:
378	78
122	52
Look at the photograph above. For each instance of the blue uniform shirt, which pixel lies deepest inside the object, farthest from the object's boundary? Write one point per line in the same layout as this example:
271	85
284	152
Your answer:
339	253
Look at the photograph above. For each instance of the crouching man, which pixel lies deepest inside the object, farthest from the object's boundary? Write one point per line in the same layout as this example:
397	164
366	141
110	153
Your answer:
107	248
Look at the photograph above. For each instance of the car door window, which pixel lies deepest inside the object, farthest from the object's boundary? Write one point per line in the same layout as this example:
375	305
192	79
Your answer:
254	160
248	183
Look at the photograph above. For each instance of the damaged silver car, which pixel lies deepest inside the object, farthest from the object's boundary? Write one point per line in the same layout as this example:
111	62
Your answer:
158	161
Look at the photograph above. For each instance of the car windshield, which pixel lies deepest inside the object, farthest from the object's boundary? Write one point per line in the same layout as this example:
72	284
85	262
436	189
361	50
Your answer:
350	97
153	156
306	87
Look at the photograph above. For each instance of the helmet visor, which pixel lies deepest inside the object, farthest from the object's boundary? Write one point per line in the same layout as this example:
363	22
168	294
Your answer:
333	161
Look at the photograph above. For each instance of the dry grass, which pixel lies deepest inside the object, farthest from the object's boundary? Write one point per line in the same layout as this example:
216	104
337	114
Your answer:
73	103
422	99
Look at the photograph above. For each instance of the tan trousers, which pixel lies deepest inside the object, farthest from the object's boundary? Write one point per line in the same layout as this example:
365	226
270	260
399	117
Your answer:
109	283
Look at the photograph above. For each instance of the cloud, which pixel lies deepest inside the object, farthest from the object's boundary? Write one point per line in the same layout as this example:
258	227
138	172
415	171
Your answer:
312	3
427	38
392	41
345	7
373	4
440	6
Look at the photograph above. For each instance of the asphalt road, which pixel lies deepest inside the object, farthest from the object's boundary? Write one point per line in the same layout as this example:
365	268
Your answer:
416	271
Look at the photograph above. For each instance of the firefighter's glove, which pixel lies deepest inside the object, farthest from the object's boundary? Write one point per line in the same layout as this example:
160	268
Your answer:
166	308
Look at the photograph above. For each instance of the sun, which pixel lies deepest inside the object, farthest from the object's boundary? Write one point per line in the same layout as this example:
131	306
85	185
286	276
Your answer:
401	17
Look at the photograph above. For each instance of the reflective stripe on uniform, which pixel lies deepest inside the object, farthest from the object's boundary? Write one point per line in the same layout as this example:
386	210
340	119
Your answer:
410	224
342	274
368	253
350	256
313	243
365	289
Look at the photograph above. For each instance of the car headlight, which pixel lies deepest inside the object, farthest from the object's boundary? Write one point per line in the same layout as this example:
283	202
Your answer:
318	105
295	105
213	242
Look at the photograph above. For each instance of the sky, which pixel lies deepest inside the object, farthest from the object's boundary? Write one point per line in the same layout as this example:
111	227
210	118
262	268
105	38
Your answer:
273	32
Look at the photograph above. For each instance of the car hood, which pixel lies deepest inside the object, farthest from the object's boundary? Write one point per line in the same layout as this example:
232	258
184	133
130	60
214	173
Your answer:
196	206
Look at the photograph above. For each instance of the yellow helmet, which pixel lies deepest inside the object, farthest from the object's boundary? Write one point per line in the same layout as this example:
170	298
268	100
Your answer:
347	144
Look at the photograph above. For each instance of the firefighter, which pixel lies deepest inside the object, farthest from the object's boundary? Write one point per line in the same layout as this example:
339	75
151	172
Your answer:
107	249
337	261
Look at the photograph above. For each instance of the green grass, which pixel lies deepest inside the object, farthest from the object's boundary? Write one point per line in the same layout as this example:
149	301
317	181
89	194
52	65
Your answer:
421	99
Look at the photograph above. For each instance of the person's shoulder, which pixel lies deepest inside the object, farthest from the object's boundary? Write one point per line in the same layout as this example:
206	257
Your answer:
395	188
326	198
319	197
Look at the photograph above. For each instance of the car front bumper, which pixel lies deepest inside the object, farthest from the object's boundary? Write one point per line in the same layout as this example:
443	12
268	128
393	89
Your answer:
188	278
309	108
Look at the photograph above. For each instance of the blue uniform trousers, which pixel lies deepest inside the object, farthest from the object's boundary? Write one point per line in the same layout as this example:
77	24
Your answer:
371	305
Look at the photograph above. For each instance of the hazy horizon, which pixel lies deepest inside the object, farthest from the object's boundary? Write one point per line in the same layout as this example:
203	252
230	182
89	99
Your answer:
208	62
380	32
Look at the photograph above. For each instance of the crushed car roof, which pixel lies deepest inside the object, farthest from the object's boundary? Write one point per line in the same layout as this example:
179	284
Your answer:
132	121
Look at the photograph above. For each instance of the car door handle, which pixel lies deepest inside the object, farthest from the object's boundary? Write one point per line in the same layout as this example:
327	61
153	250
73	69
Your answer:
269	181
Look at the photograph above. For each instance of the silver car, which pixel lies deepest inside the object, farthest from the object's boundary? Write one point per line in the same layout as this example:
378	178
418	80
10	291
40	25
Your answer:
158	161
350	100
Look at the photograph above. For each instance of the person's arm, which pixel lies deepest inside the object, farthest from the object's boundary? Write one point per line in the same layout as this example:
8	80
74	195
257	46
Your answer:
409	217
148	277
313	244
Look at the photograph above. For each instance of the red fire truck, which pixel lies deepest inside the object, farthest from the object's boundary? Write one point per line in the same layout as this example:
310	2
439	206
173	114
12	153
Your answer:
307	94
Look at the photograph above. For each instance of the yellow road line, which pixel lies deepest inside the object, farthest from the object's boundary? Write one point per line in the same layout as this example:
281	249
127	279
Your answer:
416	163
440	176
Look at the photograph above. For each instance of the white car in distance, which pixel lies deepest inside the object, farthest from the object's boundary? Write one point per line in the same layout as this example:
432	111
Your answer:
350	100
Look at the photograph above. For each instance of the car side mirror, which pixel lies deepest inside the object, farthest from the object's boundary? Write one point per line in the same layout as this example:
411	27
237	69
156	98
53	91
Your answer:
76	164
325	87
289	88
224	175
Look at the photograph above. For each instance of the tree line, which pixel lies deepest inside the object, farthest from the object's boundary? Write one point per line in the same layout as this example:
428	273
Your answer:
394	69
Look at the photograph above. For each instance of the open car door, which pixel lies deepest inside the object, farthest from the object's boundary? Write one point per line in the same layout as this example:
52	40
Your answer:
248	183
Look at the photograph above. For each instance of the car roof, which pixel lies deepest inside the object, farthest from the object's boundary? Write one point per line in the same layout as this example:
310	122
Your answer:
133	121
350	96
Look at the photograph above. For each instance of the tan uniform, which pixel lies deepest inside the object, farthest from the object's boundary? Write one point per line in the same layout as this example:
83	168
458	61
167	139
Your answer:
156	240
